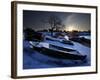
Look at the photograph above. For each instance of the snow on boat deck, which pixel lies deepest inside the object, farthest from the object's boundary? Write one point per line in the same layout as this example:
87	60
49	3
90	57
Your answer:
33	59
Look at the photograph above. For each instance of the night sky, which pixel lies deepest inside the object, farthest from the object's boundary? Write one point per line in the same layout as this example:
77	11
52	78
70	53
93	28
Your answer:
38	20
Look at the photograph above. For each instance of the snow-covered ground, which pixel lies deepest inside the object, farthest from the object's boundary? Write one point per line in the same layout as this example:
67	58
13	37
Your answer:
33	59
87	37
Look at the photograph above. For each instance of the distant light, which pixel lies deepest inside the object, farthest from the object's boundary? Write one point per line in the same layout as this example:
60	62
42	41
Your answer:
70	28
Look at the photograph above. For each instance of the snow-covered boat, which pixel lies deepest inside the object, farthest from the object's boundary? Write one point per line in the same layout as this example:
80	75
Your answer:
57	51
61	40
82	40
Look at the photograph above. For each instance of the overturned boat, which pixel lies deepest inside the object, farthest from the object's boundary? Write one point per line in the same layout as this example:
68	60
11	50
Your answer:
61	40
57	51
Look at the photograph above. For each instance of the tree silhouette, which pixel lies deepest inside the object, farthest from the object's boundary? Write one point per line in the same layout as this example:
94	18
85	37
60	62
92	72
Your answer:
55	23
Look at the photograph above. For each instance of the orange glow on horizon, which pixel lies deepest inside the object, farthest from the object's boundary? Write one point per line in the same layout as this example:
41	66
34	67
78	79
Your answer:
70	28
